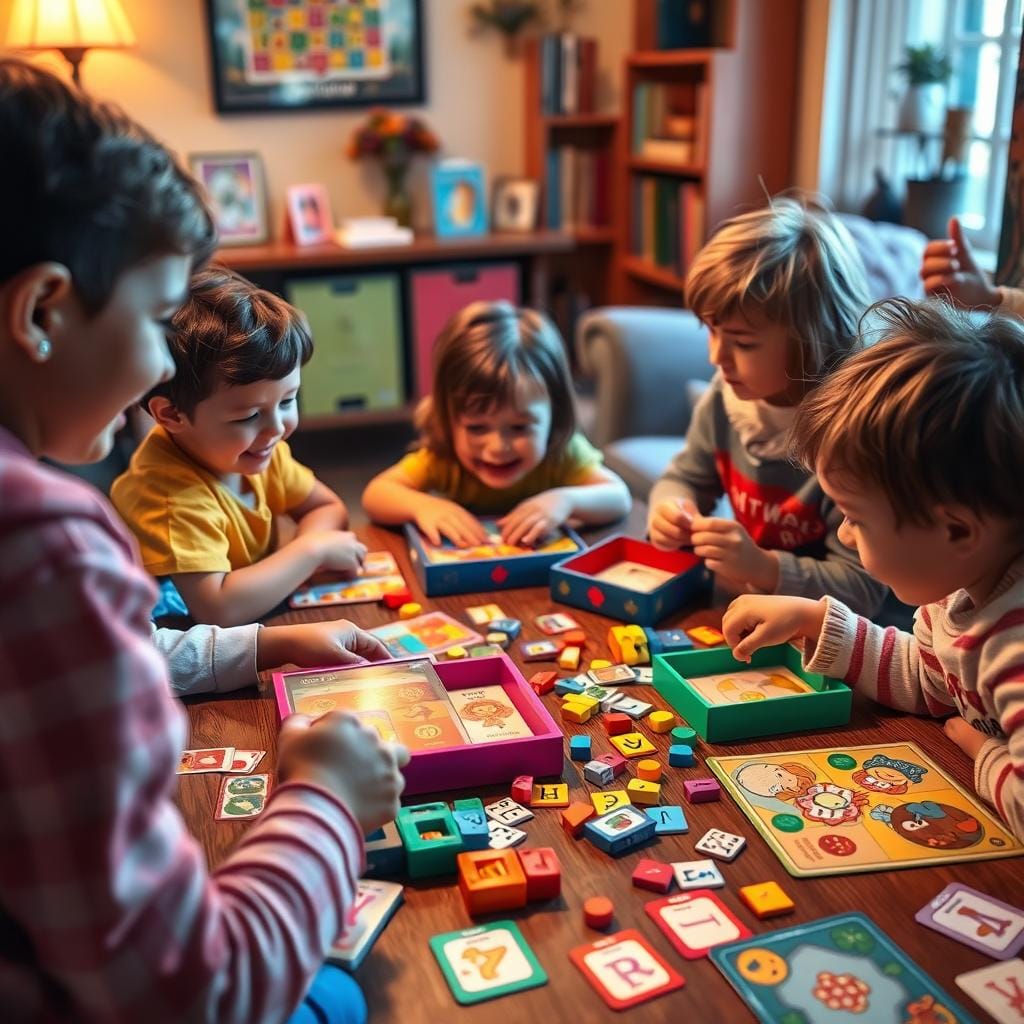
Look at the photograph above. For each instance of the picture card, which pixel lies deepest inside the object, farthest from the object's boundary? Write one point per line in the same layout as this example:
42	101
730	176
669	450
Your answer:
488	714
694	922
982	922
634	576
210	759
555	623
740	686
625	969
432	633
375	905
997	988
379	575
484	614
245	761
242	796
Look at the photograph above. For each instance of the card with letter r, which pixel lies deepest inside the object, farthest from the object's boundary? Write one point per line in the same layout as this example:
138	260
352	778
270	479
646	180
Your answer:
975	919
625	969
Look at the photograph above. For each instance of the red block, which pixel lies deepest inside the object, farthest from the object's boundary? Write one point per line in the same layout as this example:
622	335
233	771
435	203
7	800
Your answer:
598	912
522	789
396	598
653	875
543	682
543	873
574	638
616	762
617	723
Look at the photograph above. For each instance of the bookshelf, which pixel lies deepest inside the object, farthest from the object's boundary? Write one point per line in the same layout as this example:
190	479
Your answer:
699	126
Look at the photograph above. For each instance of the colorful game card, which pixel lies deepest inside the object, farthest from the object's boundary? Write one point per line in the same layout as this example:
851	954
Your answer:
245	761
380	575
488	714
988	925
998	988
555	623
486	962
212	759
694	922
242	796
625	969
839	810
432	633
375	905
634	576
447	553
485	614
745	685
842	968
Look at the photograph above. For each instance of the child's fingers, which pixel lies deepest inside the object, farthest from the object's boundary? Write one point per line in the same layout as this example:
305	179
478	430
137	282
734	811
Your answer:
938	282
939	265
535	532
401	754
293	725
752	642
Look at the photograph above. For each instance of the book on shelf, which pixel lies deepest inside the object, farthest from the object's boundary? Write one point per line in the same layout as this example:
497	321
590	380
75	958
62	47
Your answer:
668	151
668	120
667	222
577	187
682	24
568	72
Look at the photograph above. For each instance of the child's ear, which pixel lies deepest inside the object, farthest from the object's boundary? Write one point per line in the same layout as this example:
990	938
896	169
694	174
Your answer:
964	530
34	306
166	413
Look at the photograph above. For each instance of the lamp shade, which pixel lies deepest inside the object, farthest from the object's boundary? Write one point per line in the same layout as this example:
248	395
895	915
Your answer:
68	24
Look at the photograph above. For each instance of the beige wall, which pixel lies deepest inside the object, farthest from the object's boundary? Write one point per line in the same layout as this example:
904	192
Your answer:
474	92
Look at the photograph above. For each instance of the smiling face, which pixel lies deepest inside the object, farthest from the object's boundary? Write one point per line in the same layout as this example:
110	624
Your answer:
755	357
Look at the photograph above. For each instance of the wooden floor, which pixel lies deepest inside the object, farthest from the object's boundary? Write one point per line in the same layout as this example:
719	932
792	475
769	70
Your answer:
403	982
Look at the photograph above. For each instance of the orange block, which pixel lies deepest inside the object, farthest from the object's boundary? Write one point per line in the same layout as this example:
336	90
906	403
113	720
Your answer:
574	638
575	816
598	912
491	880
648	769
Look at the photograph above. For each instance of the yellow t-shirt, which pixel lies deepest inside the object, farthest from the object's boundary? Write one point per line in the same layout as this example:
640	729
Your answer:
429	472
186	520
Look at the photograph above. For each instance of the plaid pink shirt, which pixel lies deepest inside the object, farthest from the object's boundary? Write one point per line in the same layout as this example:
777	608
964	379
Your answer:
107	910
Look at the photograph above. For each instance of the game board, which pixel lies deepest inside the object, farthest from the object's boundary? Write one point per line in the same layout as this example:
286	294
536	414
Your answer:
432	633
838	970
379	576
835	811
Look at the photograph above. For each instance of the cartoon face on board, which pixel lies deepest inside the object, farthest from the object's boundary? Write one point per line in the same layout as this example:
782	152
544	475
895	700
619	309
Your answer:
926	823
762	966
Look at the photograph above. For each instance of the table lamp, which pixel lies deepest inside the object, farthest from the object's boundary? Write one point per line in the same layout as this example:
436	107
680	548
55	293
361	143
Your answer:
71	26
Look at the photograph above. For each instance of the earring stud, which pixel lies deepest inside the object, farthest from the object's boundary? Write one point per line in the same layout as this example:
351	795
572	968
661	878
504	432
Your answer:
44	348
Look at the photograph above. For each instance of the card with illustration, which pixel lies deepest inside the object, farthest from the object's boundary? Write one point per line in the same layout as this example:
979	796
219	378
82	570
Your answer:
375	905
244	762
556	622
242	796
379	576
488	961
484	614
558	542
837	969
487	714
634	576
834	811
625	969
743	685
694	922
210	759
988	925
432	633
997	988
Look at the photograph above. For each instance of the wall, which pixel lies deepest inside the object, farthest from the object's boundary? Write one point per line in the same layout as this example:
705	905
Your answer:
474	94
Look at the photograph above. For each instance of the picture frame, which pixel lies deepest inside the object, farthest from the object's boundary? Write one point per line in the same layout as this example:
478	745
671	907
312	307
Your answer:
309	214
315	54
236	188
459	199
515	204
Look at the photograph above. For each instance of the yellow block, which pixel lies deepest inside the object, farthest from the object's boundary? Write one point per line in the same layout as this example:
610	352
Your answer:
661	721
600	663
550	794
410	610
455	653
640	791
569	659
632	744
766	899
609	799
582	700
578	713
649	770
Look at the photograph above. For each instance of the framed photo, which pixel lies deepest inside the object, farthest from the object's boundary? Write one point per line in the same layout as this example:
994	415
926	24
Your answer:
309	214
515	204
237	191
306	54
460	204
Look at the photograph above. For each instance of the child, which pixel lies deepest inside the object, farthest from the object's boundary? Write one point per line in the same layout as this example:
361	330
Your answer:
108	910
781	290
204	486
920	442
498	435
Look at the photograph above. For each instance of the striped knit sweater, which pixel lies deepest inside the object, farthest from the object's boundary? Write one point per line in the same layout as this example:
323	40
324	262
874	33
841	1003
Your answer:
959	658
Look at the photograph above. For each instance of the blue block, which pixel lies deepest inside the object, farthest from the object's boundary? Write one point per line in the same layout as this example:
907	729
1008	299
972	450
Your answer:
580	748
680	755
570	685
666	641
472	825
669	820
619	830
510	627
385	854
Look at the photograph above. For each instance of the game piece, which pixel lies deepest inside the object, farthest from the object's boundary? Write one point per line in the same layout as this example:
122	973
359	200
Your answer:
242	796
697	874
576	713
610	675
652	875
592	689
510	627
633	707
522	788
543	682
574	816
543	873
616	762
997	989
484	650
619	830
550	794
643	793
501	640
628	644
625	970
569	685
244	762
500	837
598	912
210	759
661	721
706	635
598	663
580	748
507	812
482	614
597	773
701	791
680	755
539	650
643	674
683	734
668	820
410	610
569	659
375	905
615	724
720	845
695	922
608	799
976	919
583	701
610	699
455	653
472	826
431	839
766	899
648	769
385	854
485	962
667	641
632	744
491	880
556	622
394	599
853	972
575	638
913	814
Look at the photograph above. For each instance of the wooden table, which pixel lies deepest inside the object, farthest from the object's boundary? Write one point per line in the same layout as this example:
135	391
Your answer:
400	977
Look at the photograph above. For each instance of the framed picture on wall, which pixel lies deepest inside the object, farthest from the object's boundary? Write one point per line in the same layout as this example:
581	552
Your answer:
237	191
309	214
303	54
515	204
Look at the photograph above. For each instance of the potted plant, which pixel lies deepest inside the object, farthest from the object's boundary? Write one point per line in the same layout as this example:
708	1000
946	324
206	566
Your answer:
926	70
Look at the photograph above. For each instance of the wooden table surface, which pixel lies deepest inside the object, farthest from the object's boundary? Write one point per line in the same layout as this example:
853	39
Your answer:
400	977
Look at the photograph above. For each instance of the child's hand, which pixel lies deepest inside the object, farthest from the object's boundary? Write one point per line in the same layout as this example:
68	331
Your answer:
347	759
755	621
670	524
533	519
439	517
314	644
729	551
338	551
948	268
968	739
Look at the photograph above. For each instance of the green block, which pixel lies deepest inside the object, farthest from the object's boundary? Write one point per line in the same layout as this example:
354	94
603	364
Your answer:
469	803
826	704
428	857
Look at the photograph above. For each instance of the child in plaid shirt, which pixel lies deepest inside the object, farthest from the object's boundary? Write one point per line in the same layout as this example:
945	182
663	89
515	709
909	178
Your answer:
107	909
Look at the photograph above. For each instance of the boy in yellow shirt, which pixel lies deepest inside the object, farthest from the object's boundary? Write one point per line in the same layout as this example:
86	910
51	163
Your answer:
204	487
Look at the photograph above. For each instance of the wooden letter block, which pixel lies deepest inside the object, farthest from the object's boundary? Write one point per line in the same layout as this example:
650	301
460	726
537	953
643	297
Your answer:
616	762
653	875
543	682
668	820
661	721
633	744
472	826
643	792
491	880
721	845
597	773
550	794
702	791
615	724
431	839
580	748
543	873
575	816
576	713
522	788
609	799
766	899
648	769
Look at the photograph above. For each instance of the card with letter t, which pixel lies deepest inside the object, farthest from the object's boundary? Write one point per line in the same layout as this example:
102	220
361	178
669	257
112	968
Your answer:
625	969
696	921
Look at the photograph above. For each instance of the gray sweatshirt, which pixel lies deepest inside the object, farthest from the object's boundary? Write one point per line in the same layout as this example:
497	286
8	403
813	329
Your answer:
208	659
738	449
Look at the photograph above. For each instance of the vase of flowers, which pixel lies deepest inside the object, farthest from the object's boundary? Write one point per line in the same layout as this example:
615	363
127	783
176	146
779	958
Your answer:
926	70
393	140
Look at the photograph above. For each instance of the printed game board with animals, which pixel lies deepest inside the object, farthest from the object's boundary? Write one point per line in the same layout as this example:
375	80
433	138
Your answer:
869	808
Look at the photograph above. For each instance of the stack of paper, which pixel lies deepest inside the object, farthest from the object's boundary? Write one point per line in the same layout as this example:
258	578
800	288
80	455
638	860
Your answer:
371	232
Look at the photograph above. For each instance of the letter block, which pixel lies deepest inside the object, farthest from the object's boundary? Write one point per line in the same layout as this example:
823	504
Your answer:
491	880
543	873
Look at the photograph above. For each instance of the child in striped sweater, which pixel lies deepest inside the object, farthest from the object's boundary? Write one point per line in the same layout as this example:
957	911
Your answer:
920	442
